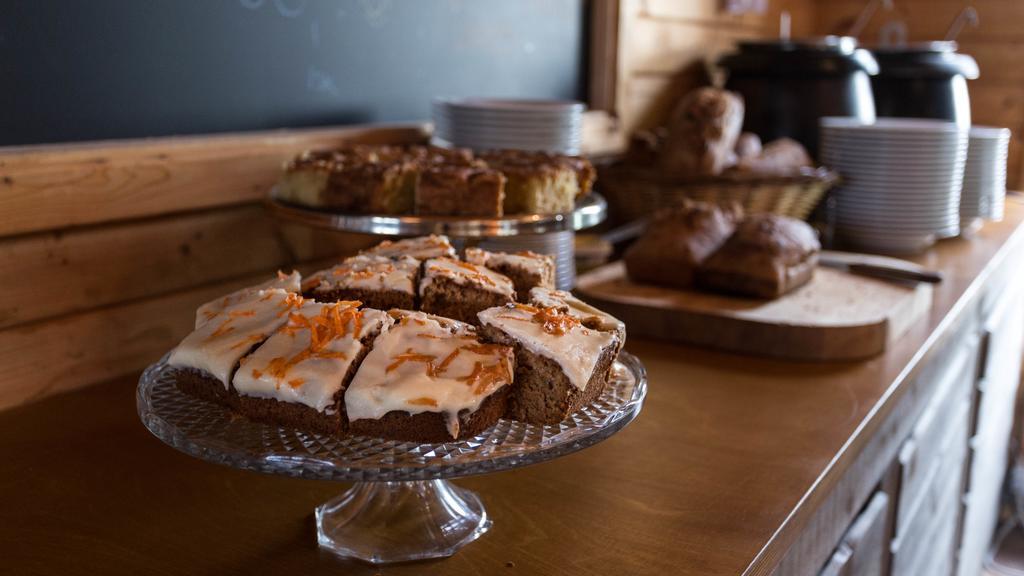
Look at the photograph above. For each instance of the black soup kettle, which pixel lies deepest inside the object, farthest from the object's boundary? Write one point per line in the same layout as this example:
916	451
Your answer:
924	80
787	85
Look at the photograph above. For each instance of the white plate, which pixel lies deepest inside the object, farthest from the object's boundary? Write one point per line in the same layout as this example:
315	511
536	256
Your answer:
889	124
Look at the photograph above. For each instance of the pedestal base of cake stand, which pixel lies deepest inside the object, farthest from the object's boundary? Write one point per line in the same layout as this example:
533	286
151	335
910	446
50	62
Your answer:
384	522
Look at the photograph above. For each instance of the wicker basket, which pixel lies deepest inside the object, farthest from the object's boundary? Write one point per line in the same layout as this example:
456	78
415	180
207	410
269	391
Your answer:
634	193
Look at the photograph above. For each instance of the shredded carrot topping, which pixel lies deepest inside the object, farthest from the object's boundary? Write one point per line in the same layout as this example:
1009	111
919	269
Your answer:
482	378
333	322
410	356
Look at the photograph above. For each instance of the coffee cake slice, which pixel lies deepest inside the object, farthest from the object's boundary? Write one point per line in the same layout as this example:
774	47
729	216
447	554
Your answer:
287	282
459	289
540	183
421	248
526	270
376	281
561	365
429	379
460	191
209	355
298	376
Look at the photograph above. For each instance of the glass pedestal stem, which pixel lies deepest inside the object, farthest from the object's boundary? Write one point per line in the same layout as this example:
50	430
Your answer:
383	522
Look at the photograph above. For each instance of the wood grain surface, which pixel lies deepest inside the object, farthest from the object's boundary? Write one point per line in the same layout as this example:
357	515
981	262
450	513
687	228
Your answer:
836	316
59	186
722	472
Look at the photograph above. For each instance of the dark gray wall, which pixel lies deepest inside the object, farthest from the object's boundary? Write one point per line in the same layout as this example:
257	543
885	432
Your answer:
96	69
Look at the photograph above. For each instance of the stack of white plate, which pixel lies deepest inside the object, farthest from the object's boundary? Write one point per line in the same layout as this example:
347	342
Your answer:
901	181
985	176
488	124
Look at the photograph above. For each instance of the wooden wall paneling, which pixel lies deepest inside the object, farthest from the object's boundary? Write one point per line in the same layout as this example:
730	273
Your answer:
85	268
69	352
58	186
710	13
997	44
927	19
665	47
604	34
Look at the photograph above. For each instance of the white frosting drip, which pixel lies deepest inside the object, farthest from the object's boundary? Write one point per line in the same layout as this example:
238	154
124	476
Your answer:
586	313
414	367
289	367
287	282
463	273
370	272
576	351
216	346
421	248
532	263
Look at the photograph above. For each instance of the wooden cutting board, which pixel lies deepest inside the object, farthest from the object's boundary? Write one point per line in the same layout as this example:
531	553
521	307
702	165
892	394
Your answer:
836	316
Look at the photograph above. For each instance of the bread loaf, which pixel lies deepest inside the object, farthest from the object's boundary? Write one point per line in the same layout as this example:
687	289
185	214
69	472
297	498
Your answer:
677	241
702	133
767	256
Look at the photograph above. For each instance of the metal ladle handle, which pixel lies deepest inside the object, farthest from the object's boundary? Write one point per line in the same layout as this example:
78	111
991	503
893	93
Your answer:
967	15
865	16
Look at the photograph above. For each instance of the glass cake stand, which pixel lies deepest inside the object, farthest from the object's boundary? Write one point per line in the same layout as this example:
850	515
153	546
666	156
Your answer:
590	210
402	506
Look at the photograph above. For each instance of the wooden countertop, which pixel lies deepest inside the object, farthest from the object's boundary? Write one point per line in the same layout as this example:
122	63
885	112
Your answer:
717	476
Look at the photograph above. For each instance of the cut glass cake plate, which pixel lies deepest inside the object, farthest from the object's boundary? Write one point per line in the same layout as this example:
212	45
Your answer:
402	506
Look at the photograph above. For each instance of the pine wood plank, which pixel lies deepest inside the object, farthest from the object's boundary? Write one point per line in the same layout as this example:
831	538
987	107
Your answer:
66	272
711	13
58	186
666	47
926	19
48	357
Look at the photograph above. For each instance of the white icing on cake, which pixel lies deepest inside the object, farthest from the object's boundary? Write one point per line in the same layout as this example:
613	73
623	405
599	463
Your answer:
423	363
287	282
421	248
530	262
216	346
553	334
546	298
307	359
464	273
369	272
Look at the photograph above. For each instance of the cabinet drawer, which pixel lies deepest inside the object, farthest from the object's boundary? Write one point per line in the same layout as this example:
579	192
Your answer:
944	421
861	551
934	515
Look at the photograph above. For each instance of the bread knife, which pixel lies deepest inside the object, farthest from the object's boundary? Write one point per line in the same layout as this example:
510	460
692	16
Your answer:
876	269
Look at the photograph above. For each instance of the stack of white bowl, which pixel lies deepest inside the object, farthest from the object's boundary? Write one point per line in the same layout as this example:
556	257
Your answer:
490	124
901	181
985	176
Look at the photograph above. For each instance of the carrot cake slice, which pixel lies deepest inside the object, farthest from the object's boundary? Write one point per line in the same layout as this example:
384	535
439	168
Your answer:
561	365
589	316
429	379
421	248
298	376
376	281
287	282
526	269
209	355
459	289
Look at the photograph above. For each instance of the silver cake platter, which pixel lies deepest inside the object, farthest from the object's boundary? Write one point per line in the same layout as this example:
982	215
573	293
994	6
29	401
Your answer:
402	505
590	210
